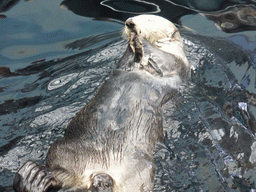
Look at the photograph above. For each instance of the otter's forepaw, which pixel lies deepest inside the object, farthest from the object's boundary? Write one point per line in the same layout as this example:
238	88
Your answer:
32	178
151	66
137	47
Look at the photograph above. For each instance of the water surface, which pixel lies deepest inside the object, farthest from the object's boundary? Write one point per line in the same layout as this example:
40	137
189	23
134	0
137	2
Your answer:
54	55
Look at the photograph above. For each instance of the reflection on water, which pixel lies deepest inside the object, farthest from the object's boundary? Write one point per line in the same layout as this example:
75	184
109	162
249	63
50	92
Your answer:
131	6
59	82
209	142
235	18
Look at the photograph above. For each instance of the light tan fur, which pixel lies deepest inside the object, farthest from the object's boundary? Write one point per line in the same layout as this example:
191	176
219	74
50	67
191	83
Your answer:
160	32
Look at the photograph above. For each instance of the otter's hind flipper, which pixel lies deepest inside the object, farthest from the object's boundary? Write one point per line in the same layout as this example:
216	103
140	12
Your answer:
33	177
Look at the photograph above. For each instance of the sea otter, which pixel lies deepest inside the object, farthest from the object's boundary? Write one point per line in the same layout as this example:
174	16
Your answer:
109	144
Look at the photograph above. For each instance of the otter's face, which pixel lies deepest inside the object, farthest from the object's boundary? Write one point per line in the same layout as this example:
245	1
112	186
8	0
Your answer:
153	28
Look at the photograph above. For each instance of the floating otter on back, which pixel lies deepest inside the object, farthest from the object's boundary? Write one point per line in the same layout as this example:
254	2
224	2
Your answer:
108	145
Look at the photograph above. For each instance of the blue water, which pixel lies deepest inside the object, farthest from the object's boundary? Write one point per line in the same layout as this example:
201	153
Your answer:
54	55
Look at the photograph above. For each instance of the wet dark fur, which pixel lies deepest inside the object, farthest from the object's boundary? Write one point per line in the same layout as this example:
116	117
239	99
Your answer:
125	113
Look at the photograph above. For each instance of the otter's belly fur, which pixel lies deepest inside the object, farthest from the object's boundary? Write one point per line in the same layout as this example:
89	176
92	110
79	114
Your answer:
109	144
115	133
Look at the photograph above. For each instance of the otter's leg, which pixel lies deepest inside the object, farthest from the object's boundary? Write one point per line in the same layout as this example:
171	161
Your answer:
35	178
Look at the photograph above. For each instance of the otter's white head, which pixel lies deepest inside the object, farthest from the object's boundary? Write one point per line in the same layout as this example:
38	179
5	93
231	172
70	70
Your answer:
160	32
152	27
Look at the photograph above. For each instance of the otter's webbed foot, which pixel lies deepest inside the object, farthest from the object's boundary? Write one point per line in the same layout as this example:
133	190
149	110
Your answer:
33	178
102	183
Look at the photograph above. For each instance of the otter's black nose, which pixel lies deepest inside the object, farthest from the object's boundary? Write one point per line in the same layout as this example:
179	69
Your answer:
129	23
